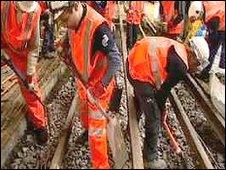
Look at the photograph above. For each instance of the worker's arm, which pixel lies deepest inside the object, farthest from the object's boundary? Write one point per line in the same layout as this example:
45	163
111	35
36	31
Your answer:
33	47
105	42
176	71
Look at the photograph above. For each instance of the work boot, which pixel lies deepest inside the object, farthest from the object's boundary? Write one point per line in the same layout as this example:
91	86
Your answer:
41	136
30	125
83	138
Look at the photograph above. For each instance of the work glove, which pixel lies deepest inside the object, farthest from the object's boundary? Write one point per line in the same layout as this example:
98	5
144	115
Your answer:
97	90
31	83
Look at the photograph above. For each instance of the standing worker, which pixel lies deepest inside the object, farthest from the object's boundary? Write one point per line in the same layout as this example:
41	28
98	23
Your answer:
174	14
96	57
154	66
20	43
48	48
135	14
214	12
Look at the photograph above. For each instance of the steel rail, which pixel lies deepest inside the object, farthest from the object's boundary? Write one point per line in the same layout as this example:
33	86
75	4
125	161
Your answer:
212	114
137	158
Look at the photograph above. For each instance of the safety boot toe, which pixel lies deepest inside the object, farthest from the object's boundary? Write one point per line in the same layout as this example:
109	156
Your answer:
41	136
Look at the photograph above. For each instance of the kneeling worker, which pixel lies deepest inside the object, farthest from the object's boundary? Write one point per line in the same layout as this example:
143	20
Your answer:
154	66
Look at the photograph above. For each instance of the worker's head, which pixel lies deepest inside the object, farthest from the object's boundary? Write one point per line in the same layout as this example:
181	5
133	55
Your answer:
195	10
27	6
198	54
68	13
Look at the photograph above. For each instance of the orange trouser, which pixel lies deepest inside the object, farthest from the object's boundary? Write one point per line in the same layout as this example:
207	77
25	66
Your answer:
96	124
36	111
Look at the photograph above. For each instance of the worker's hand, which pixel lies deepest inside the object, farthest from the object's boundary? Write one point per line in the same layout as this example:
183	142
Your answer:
31	86
98	90
31	83
113	28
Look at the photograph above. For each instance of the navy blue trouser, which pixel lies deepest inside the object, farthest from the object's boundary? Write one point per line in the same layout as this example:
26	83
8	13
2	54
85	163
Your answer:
147	104
215	40
132	31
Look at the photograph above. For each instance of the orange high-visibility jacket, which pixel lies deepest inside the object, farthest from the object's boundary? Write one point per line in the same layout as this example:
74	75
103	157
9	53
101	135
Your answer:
168	15
135	13
215	9
140	67
92	67
15	35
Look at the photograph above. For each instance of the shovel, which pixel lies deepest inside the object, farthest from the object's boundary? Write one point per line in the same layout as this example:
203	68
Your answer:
114	132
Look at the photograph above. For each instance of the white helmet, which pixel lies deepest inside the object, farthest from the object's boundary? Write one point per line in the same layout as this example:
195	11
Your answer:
58	7
201	49
27	6
195	9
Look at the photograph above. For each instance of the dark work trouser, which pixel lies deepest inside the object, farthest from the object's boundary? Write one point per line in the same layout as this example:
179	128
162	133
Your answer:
48	42
132	31
146	102
216	39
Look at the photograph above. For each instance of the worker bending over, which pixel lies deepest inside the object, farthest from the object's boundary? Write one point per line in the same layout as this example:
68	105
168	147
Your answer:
154	66
20	44
96	57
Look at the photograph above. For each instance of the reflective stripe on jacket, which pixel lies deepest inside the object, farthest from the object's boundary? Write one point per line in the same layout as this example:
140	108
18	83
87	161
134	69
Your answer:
140	66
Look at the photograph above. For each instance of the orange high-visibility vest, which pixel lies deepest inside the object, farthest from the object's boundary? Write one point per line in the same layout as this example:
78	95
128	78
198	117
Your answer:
168	14
215	9
140	66
15	35
135	13
92	67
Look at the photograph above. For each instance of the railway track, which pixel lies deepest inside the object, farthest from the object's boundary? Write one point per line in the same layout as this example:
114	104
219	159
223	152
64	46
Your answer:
215	119
68	147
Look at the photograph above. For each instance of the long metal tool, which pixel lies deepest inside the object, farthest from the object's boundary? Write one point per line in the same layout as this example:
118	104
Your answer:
190	133
20	76
137	158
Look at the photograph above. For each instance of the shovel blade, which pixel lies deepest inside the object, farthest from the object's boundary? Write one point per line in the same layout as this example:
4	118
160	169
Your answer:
117	143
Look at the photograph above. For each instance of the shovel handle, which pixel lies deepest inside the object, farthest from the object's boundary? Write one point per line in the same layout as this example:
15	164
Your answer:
93	100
